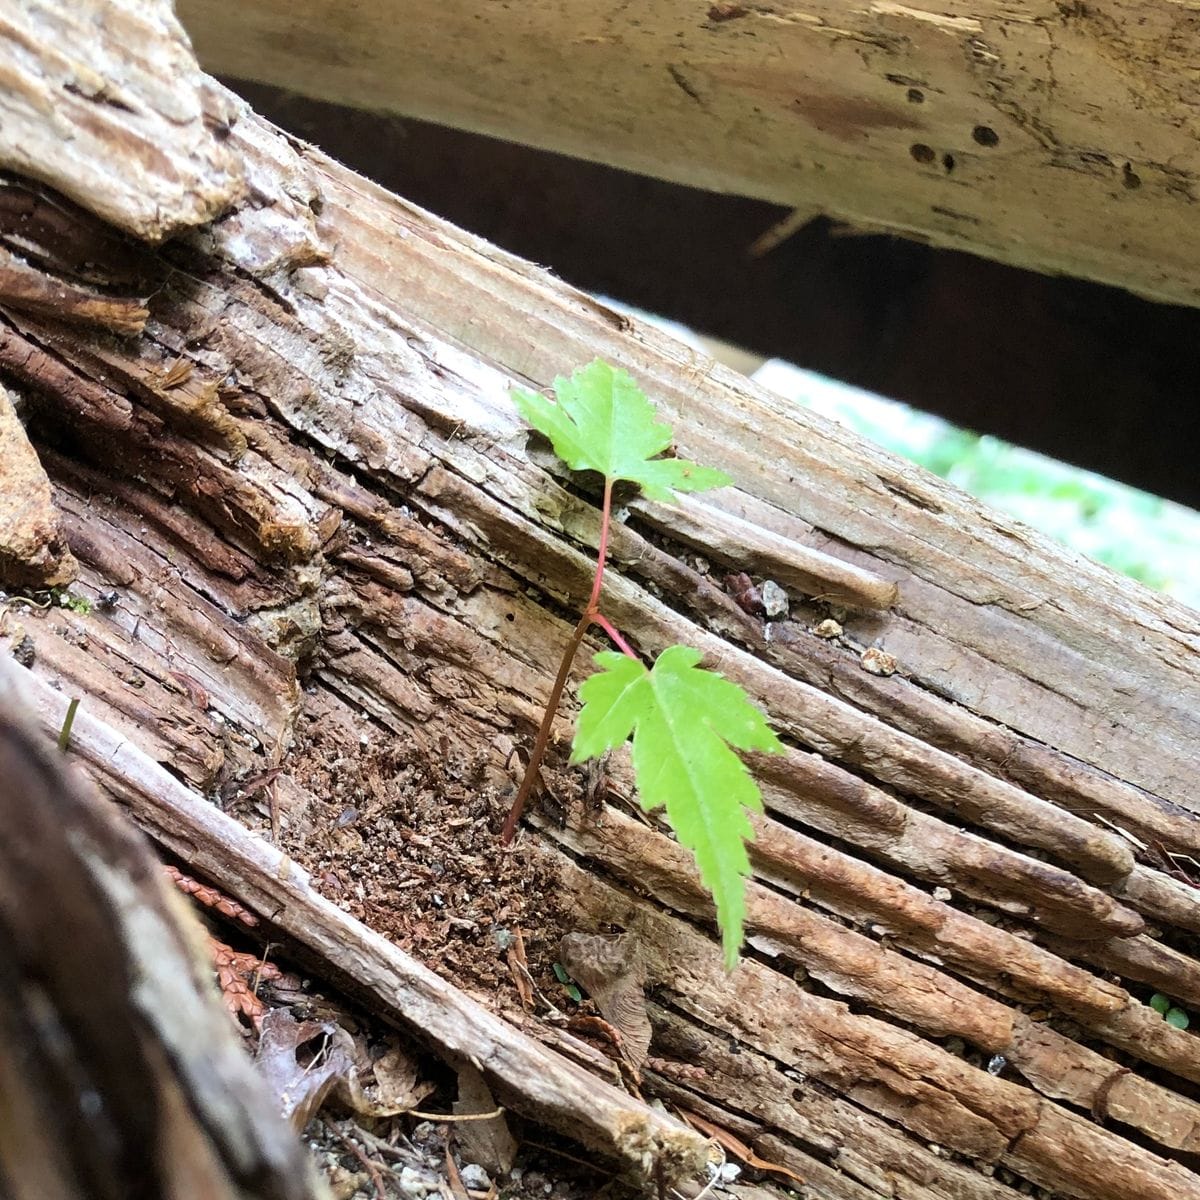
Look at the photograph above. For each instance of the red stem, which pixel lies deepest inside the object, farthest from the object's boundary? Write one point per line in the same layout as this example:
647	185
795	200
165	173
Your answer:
609	628
591	615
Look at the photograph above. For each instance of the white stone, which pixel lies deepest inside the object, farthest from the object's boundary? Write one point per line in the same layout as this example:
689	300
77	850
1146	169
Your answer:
774	599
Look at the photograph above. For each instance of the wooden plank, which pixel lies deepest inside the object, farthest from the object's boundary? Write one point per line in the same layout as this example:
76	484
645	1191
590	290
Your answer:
1060	137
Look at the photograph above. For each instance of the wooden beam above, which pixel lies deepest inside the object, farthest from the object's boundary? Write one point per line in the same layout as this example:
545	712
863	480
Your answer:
1055	136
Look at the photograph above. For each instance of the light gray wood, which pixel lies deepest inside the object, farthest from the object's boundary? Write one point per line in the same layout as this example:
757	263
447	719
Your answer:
1056	136
330	511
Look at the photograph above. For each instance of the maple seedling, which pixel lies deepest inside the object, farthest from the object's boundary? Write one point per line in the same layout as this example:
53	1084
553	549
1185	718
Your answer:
685	721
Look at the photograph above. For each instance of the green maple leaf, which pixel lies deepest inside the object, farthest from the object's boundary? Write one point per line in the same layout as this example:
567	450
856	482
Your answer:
684	721
603	422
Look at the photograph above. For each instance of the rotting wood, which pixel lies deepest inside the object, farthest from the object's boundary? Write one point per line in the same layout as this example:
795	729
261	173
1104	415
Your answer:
306	469
1060	137
530	1079
855	966
810	716
748	547
32	548
120	79
120	1073
819	1044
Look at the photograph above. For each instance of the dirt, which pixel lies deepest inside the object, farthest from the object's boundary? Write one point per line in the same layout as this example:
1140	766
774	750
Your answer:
406	841
436	827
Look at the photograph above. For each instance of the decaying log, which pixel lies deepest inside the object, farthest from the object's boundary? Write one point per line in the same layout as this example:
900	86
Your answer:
522	1074
330	575
1060	137
120	1073
83	84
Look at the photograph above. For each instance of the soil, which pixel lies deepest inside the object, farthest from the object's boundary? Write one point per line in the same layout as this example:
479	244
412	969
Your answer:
406	841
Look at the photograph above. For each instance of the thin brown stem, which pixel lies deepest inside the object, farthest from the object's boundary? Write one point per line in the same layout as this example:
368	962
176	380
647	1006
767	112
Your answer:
543	733
591	615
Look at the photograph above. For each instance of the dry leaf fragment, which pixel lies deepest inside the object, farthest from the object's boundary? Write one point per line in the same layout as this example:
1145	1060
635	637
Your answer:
300	1081
734	1146
397	1086
488	1143
611	971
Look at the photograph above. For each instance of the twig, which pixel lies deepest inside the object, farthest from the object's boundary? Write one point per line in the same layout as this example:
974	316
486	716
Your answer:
386	1149
456	1183
428	1116
261	967
371	1168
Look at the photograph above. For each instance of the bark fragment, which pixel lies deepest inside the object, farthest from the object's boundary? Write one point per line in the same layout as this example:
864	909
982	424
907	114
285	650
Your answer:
33	550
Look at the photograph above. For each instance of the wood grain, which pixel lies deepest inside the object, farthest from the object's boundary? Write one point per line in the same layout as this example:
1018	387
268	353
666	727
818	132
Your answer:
1060	137
333	515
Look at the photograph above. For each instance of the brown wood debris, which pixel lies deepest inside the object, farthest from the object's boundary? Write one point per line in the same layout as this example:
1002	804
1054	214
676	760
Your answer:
33	550
330	576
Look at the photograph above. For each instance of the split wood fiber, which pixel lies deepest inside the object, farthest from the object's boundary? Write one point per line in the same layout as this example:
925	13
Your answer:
301	495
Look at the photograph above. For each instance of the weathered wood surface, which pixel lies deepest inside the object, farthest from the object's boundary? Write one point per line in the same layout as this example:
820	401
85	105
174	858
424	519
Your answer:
522	1073
300	498
120	1073
1057	136
83	81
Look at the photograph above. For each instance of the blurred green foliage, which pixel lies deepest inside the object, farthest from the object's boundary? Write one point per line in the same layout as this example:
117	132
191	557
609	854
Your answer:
1125	529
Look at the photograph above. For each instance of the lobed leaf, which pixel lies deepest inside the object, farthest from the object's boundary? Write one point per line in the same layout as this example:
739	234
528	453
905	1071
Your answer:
685	723
601	421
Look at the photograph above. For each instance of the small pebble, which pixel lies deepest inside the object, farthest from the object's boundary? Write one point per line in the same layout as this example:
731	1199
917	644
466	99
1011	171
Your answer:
729	1172
774	599
828	629
475	1177
416	1183
942	893
878	662
996	1064
24	651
